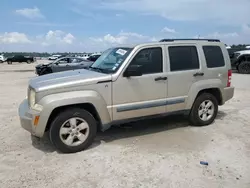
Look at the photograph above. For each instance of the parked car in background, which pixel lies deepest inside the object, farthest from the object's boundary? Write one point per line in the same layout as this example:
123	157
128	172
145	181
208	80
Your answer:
194	79
54	57
85	56
2	58
62	64
231	51
20	59
240	60
93	57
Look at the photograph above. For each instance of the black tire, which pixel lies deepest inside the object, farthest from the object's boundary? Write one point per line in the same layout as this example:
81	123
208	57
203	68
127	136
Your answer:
9	62
59	121
244	67
28	61
194	114
1	61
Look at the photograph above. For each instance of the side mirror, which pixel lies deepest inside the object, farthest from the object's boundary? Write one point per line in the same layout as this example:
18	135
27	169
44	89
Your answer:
133	70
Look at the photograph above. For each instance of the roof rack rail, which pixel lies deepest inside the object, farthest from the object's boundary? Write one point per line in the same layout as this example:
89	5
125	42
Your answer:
172	40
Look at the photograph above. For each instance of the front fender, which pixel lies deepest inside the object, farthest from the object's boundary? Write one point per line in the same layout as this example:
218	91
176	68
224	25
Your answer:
199	86
54	101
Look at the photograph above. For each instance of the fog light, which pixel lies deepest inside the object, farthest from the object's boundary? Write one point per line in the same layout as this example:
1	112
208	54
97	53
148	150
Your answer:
36	120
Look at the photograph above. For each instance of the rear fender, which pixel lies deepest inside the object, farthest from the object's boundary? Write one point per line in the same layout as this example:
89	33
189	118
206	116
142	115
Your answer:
199	86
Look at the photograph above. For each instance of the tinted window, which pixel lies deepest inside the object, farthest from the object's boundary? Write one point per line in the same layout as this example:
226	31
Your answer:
214	56
62	61
150	59
18	56
75	60
183	58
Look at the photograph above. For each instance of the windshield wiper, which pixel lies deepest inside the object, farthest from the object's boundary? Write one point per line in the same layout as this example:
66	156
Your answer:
97	68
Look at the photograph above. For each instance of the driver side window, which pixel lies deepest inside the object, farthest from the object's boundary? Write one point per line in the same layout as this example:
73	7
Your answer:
150	59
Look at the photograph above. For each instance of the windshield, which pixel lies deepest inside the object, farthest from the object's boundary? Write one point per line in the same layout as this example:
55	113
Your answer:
111	59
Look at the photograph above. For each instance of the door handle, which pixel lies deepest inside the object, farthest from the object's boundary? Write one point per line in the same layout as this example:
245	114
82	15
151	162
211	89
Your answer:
160	78
199	74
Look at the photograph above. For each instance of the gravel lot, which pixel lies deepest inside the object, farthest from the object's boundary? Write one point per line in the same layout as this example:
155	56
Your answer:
159	153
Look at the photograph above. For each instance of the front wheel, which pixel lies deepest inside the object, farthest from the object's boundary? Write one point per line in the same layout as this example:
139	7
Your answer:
73	130
204	110
244	67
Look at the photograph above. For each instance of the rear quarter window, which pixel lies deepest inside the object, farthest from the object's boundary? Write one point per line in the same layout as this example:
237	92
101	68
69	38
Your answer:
214	56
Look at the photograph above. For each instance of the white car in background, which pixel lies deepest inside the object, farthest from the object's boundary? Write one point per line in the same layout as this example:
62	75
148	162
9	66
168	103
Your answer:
84	56
54	57
2	58
241	61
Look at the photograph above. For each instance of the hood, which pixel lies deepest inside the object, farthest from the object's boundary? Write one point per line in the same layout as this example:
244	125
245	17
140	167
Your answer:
67	79
243	52
48	63
44	64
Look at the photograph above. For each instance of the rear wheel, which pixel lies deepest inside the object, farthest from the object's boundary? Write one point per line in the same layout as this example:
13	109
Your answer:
244	67
9	62
73	130
28	61
204	110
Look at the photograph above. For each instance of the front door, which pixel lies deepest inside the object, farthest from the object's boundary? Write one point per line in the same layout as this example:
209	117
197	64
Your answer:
61	65
184	70
144	95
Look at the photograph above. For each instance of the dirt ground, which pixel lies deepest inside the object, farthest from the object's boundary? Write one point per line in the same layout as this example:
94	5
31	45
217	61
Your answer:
159	153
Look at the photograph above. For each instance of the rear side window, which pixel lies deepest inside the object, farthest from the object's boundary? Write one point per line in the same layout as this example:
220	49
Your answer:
214	56
183	58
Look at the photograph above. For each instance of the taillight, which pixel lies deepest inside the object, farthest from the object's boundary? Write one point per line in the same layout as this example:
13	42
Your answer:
229	78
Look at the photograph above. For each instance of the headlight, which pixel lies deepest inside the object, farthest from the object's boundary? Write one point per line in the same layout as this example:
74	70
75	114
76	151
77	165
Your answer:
32	100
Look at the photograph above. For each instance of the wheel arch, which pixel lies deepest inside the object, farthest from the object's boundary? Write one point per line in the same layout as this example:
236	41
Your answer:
88	100
215	92
210	86
86	106
242	58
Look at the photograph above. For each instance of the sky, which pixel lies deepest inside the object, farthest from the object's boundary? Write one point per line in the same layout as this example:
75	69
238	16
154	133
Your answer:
95	25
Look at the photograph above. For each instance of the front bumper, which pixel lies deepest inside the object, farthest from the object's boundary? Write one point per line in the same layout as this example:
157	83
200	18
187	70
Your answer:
27	117
38	69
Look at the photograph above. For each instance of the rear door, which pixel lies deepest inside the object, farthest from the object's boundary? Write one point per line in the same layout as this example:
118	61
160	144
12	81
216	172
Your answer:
16	58
184	69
